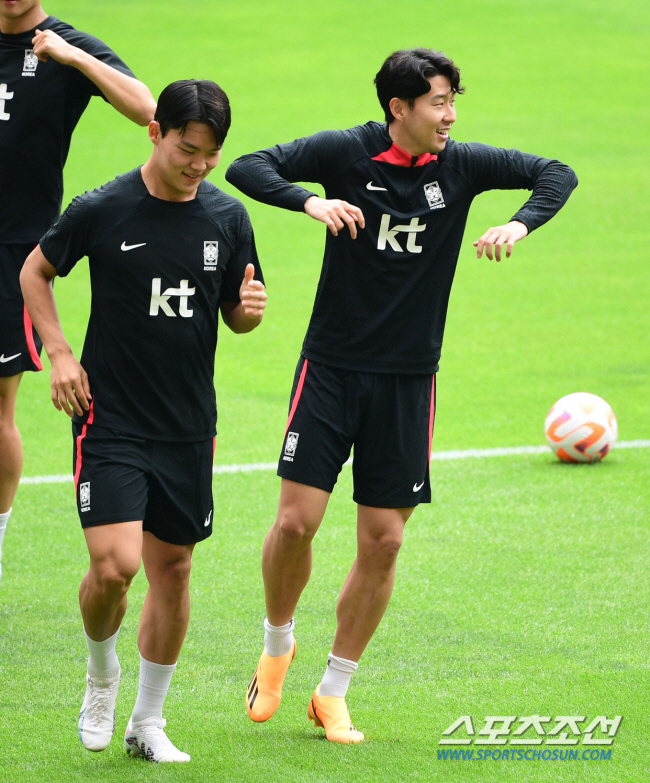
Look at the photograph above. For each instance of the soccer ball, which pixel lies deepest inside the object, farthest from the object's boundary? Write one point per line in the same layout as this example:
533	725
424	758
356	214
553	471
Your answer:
581	427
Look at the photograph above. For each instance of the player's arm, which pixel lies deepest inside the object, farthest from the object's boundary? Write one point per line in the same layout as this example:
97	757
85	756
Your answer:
270	175
129	96
551	183
69	381
245	315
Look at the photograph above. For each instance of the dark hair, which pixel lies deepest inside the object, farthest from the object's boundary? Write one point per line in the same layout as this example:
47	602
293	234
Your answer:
406	73
197	100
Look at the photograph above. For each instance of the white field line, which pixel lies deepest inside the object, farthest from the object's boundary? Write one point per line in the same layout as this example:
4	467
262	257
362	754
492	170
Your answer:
437	455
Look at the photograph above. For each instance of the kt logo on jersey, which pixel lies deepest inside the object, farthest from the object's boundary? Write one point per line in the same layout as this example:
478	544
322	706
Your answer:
389	235
160	299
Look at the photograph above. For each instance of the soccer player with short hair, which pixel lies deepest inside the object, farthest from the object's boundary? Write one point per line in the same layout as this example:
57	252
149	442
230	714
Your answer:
48	73
167	251
367	372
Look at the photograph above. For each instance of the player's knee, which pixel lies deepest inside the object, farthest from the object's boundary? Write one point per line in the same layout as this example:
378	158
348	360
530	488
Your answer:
114	578
383	551
176	573
294	528
9	434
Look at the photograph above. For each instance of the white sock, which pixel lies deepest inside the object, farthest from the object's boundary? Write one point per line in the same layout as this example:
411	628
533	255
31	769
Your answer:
278	639
337	676
102	658
4	518
152	690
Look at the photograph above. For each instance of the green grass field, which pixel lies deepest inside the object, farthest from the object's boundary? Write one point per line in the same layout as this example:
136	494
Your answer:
522	589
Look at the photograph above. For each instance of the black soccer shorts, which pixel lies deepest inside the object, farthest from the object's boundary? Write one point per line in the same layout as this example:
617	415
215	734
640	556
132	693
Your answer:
20	346
167	485
388	419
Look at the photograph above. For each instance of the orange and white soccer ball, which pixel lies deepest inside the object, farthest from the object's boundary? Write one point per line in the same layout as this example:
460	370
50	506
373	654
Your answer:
581	427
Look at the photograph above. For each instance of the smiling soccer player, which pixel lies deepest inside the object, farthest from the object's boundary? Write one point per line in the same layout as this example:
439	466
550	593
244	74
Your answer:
167	252
397	195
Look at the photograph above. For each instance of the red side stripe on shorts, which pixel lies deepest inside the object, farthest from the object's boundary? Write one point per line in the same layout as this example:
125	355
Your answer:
214	448
29	337
432	412
294	405
77	472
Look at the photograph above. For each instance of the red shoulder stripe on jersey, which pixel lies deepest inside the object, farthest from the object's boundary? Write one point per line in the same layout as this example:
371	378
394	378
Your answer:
398	157
432	412
84	430
29	337
294	404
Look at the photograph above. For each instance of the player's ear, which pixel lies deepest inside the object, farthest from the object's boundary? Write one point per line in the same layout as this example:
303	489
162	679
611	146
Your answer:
396	105
154	132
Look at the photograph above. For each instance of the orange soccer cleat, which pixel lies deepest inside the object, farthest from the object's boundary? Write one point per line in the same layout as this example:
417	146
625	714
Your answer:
264	693
331	713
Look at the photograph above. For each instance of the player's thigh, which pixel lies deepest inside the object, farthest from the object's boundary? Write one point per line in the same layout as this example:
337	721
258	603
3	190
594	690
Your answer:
301	508
8	393
115	550
320	431
180	506
166	564
392	449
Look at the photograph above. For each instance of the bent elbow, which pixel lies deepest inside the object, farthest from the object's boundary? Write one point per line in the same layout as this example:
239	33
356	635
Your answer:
146	111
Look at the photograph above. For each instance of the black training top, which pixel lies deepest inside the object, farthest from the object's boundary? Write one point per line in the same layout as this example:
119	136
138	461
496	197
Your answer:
382	298
158	272
40	105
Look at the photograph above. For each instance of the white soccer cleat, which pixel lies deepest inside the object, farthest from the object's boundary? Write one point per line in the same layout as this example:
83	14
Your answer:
148	740
97	716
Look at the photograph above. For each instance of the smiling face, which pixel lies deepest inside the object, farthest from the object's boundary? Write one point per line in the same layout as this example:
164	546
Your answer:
17	16
425	126
180	161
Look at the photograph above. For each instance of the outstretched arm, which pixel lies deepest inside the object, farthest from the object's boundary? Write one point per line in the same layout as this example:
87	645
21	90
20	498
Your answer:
492	168
129	96
245	315
69	381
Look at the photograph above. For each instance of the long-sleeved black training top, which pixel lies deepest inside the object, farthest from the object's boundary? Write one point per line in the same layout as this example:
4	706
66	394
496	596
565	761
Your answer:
382	298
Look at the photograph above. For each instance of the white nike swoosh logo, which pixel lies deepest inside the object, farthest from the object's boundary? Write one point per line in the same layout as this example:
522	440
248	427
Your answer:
207	521
4	358
418	487
370	186
130	247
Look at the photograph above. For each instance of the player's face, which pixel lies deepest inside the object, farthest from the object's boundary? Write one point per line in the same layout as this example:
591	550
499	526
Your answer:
182	161
425	127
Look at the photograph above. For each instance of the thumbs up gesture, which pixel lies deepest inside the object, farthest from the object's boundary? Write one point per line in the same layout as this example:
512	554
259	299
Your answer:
252	294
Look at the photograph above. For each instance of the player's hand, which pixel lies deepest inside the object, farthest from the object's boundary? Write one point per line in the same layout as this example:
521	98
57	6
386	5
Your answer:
252	294
47	43
69	384
335	214
498	236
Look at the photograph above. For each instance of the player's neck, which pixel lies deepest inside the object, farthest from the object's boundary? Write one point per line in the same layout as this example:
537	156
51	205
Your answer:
21	24
404	142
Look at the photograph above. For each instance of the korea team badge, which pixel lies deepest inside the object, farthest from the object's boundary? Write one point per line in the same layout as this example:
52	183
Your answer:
210	255
434	196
